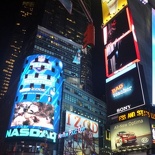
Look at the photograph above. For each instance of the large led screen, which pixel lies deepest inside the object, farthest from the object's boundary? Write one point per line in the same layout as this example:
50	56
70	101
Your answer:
121	53
117	27
124	91
37	105
152	122
83	142
110	8
135	132
153	57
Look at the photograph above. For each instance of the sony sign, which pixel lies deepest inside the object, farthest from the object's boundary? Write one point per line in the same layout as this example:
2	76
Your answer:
127	107
26	132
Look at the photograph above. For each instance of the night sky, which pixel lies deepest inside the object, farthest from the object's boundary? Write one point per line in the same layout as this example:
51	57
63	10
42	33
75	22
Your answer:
8	15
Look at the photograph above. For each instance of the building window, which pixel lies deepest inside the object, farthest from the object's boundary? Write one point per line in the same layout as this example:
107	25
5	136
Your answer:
21	87
43	86
25	96
36	75
53	69
16	98
26	61
42	67
31	67
57	64
31	85
48	77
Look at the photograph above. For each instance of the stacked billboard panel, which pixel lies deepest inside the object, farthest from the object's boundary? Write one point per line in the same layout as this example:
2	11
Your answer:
121	55
120	42
37	105
153	57
124	90
129	135
82	137
111	8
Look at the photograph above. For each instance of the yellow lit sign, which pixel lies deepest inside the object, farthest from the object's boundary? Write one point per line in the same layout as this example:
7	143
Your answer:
136	113
112	7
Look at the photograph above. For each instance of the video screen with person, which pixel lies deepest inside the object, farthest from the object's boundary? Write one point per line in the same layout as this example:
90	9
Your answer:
117	27
119	54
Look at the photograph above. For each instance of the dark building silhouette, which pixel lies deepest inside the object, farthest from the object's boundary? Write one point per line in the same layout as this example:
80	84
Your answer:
46	27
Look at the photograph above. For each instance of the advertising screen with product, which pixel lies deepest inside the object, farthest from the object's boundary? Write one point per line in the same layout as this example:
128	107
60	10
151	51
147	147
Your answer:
152	120
153	57
37	105
124	91
110	8
82	141
128	135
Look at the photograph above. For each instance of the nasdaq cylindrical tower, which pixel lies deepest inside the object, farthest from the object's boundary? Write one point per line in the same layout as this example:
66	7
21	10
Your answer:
37	105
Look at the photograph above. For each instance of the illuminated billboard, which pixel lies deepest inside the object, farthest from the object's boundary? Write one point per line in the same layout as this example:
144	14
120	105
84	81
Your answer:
124	91
121	47
121	53
153	57
110	8
84	142
37	105
127	135
117	27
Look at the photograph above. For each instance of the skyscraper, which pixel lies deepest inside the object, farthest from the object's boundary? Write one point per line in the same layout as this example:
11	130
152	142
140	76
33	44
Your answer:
53	16
60	35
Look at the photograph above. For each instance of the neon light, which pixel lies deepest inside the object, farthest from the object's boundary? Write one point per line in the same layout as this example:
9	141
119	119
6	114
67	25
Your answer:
71	132
121	73
26	132
153	56
123	91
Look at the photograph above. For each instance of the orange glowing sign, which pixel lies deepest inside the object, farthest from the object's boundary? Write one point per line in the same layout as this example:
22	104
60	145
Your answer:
117	88
112	7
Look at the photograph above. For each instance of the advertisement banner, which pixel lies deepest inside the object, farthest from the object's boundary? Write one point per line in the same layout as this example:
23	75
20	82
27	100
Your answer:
83	142
121	53
110	8
36	111
117	27
132	133
124	91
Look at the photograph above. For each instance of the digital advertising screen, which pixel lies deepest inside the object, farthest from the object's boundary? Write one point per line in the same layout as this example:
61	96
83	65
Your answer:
132	133
110	8
152	123
37	105
153	57
121	53
83	135
124	91
119	26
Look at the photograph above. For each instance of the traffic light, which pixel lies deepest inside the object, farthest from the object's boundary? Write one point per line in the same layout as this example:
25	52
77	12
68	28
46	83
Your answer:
89	36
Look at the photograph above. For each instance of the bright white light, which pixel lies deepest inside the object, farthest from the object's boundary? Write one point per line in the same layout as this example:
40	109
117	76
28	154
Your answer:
153	57
144	1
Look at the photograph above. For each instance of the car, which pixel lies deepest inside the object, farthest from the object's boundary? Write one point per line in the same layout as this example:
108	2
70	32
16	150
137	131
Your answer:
124	137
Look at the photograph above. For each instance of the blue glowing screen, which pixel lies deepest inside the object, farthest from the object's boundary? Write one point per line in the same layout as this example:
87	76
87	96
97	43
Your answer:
37	103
